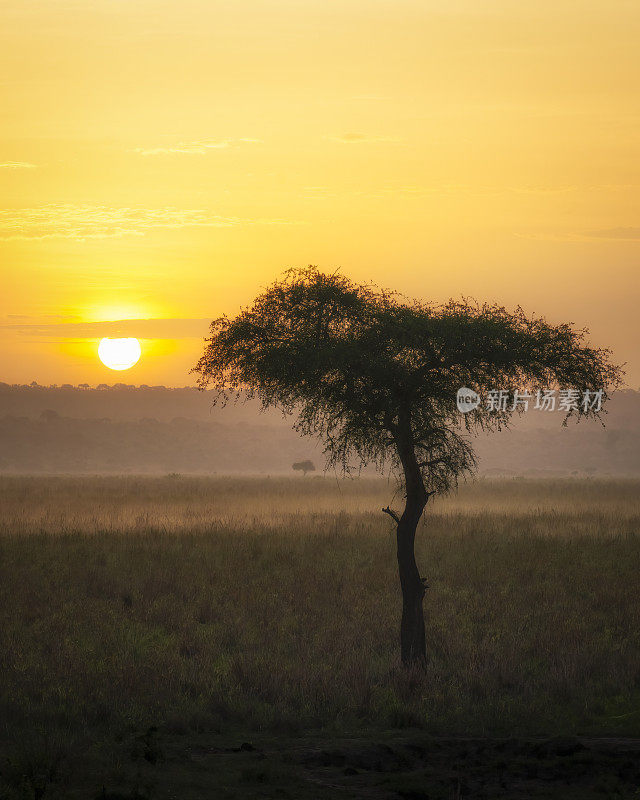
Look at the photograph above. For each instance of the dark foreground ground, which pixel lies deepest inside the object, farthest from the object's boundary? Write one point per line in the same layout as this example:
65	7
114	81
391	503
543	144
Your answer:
238	638
156	765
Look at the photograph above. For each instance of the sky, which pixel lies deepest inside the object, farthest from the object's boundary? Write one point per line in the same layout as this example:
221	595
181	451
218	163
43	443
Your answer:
162	161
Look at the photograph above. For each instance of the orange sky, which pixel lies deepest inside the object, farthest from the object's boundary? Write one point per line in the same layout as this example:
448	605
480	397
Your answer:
164	160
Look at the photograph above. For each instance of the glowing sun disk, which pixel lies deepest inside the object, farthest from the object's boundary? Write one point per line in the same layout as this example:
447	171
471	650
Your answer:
119	353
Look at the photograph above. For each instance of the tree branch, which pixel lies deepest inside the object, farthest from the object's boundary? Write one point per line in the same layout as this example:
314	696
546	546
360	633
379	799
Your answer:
432	463
388	422
391	513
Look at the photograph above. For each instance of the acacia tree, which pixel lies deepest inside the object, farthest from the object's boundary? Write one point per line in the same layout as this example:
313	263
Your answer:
375	376
304	466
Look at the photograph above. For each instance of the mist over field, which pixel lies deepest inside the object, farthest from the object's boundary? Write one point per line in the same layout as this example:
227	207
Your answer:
158	430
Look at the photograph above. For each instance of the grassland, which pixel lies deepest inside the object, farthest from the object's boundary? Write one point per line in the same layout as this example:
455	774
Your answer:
151	626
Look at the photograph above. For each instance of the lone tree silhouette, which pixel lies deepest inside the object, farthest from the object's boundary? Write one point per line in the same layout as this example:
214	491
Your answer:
375	376
303	466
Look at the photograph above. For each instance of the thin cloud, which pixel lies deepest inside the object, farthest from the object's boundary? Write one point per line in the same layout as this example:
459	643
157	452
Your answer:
195	147
471	189
418	190
25	317
361	138
17	165
154	328
81	222
630	234
622	234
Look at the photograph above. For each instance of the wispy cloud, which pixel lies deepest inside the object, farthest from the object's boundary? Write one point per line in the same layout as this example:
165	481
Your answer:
17	165
622	234
67	221
425	190
154	328
474	189
630	234
25	317
361	138
194	147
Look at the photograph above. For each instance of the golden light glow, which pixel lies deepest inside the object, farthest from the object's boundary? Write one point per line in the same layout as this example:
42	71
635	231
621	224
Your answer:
106	312
445	148
119	354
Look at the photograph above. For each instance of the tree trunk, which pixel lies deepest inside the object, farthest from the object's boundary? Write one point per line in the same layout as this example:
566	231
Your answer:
412	641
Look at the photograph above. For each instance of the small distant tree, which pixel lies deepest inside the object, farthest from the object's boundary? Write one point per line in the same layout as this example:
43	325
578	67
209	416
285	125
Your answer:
304	466
375	376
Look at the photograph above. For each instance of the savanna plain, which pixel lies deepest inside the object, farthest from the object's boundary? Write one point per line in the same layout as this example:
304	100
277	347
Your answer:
229	637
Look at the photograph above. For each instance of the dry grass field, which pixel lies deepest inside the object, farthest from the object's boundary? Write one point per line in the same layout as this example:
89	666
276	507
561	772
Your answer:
150	626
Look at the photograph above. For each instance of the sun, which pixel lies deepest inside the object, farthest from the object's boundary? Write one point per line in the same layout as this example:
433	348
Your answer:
119	353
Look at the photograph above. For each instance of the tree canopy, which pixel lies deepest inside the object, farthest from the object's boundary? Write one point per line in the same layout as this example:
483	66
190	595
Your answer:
354	362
